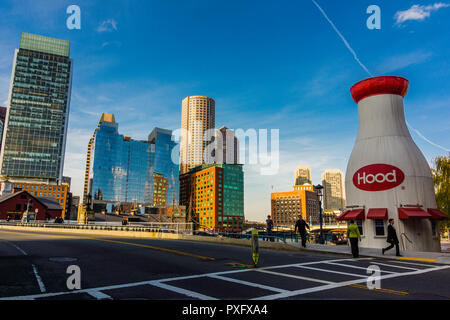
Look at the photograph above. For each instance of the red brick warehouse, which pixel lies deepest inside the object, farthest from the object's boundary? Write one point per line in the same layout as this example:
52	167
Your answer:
15	204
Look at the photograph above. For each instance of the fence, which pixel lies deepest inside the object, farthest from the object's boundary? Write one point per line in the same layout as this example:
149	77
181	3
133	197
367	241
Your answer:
262	236
162	227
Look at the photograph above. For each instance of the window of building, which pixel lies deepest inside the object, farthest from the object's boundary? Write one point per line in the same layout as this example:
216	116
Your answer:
359	223
18	207
379	227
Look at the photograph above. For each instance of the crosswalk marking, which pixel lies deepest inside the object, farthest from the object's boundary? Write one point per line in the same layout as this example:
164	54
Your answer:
415	263
185	292
394	266
332	271
343	284
355	267
279	293
98	295
294	276
251	284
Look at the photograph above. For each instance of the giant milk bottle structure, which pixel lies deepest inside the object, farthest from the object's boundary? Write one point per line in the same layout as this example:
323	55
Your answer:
387	175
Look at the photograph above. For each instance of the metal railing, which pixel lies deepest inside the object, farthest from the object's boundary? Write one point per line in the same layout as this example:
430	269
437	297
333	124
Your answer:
160	227
273	237
403	235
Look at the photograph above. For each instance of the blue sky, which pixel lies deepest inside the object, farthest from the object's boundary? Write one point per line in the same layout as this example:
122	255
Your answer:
268	65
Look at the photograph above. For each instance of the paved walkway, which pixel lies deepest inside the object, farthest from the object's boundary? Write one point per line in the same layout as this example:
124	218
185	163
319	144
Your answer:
436	257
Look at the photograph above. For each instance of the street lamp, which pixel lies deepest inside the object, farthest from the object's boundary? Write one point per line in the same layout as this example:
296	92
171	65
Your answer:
319	193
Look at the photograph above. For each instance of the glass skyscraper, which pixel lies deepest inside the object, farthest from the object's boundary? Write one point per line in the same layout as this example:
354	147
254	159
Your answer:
35	130
163	164
2	122
120	169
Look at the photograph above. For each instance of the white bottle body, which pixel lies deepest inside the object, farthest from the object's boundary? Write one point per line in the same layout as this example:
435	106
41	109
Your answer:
384	138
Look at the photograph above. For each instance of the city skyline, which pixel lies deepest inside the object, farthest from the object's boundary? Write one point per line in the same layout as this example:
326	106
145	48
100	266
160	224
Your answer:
311	106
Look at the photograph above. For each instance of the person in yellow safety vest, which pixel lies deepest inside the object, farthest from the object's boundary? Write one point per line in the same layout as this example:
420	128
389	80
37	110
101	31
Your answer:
354	236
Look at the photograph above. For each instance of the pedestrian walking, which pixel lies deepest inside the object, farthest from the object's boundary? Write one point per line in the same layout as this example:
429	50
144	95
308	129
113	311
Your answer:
392	239
301	225
269	227
354	235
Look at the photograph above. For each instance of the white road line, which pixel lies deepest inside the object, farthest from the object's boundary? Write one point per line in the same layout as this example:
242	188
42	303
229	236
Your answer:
185	292
18	248
343	284
98	295
355	267
395	266
247	283
309	263
36	274
294	276
135	284
332	271
38	278
413	263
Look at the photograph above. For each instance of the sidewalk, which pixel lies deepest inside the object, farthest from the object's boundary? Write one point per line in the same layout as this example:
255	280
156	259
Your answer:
434	257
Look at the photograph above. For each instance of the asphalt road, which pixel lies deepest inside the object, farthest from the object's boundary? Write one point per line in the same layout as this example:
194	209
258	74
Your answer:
34	266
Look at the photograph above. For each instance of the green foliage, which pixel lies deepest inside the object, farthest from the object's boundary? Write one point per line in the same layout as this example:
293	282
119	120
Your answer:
441	176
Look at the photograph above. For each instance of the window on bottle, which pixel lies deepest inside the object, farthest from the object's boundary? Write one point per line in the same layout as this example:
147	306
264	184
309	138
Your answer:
379	228
360	227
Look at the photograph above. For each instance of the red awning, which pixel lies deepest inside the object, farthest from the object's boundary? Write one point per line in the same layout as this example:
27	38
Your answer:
341	217
437	214
377	214
413	213
357	214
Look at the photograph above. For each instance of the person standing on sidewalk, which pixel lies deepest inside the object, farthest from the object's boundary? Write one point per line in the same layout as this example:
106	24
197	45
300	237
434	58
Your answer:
392	239
269	227
301	225
354	236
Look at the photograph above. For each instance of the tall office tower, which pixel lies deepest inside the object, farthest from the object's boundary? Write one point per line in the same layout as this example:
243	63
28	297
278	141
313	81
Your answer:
226	146
120	169
302	176
2	123
334	193
35	132
198	115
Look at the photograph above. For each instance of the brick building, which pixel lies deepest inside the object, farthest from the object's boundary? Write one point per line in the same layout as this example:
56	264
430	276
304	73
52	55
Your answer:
214	197
287	207
15	204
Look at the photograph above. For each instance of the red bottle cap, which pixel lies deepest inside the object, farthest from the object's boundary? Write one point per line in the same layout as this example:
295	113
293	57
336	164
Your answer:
379	85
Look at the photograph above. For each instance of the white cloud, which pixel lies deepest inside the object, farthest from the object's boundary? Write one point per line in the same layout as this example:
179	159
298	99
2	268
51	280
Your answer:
107	26
402	61
111	43
418	12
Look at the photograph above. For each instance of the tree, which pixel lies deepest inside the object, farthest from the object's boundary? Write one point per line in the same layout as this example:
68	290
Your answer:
441	177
